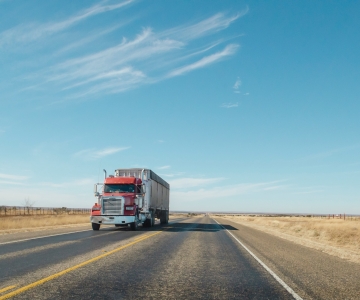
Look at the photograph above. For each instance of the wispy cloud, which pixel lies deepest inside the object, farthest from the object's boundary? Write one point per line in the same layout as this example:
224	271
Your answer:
208	26
13	177
189	182
96	154
237	84
87	39
74	183
229	50
10	179
25	33
147	58
230	105
223	191
329	153
164	167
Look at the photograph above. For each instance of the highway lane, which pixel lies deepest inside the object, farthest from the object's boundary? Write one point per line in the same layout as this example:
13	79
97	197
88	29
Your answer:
189	259
193	258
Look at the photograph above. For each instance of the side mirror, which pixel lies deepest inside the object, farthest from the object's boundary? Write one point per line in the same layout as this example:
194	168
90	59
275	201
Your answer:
96	194
143	188
95	188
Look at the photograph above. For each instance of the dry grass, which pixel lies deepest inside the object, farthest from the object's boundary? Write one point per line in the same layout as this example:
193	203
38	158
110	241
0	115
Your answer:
26	222
334	236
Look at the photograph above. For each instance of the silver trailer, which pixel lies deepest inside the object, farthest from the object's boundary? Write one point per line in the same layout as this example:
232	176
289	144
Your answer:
156	197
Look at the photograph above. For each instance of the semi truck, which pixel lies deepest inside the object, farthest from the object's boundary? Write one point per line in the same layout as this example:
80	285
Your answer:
130	197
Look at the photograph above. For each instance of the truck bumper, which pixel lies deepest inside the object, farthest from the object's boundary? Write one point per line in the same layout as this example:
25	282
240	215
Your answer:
112	220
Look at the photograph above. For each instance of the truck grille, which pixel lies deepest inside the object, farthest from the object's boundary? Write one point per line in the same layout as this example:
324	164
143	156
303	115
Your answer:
113	206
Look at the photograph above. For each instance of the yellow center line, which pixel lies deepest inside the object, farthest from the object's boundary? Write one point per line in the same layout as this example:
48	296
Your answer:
7	288
56	275
140	237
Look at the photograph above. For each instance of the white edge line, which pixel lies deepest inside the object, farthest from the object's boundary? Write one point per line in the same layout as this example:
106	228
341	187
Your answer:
42	237
278	279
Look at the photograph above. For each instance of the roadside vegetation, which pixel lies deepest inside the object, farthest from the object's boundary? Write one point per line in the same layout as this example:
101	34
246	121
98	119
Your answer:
10	223
334	236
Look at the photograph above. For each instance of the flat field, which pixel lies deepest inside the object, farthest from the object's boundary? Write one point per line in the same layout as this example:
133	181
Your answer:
333	236
26	223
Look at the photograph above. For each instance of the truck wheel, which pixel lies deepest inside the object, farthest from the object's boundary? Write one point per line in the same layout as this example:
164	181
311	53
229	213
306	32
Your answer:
146	223
134	226
152	220
162	217
95	226
167	217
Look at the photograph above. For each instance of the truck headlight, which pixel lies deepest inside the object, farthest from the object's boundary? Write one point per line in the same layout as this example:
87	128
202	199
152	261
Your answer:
129	208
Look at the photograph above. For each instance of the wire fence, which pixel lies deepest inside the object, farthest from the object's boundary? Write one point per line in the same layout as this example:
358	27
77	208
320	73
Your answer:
31	211
347	217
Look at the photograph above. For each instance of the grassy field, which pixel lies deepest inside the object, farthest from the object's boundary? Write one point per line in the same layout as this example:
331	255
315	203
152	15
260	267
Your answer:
27	222
334	236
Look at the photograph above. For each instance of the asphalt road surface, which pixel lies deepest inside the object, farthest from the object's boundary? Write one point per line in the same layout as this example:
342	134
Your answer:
189	258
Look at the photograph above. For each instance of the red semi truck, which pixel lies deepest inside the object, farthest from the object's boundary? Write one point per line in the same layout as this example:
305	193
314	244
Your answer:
131	197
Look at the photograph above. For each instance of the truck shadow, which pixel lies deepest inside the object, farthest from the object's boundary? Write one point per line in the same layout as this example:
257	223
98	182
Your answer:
200	227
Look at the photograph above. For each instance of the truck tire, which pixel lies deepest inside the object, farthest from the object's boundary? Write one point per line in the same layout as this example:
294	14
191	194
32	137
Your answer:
163	219
147	223
95	226
152	223
134	226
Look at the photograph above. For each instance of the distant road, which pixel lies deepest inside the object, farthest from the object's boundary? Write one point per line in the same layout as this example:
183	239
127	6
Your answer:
190	258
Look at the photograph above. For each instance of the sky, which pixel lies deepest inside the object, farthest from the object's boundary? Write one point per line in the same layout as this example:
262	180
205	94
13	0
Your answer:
244	106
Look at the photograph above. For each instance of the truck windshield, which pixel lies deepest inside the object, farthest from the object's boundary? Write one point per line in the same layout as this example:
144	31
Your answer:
119	188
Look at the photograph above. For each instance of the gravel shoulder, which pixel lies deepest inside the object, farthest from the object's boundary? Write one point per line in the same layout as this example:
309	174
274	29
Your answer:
340	252
309	272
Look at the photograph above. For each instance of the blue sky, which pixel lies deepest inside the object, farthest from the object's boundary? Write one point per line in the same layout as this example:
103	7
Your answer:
246	106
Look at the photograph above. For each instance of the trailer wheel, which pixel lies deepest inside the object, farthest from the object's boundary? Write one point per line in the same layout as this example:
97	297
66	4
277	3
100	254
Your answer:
95	226
164	217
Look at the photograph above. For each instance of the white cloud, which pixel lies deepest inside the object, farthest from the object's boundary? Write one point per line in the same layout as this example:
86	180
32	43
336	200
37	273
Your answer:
237	84
229	50
30	32
96	154
246	94
164	167
230	105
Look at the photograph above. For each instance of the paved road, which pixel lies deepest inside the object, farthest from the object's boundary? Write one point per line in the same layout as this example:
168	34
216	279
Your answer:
192	258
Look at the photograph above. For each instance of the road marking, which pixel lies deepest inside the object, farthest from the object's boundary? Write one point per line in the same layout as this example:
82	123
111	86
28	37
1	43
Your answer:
278	279
42	237
7	288
56	275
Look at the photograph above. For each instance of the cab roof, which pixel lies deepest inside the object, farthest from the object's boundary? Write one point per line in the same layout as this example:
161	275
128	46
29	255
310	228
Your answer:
124	180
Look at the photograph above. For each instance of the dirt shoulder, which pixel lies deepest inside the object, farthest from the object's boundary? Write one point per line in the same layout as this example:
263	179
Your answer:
335	237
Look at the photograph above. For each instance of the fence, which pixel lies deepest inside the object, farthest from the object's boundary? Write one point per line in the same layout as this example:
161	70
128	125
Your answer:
29	211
